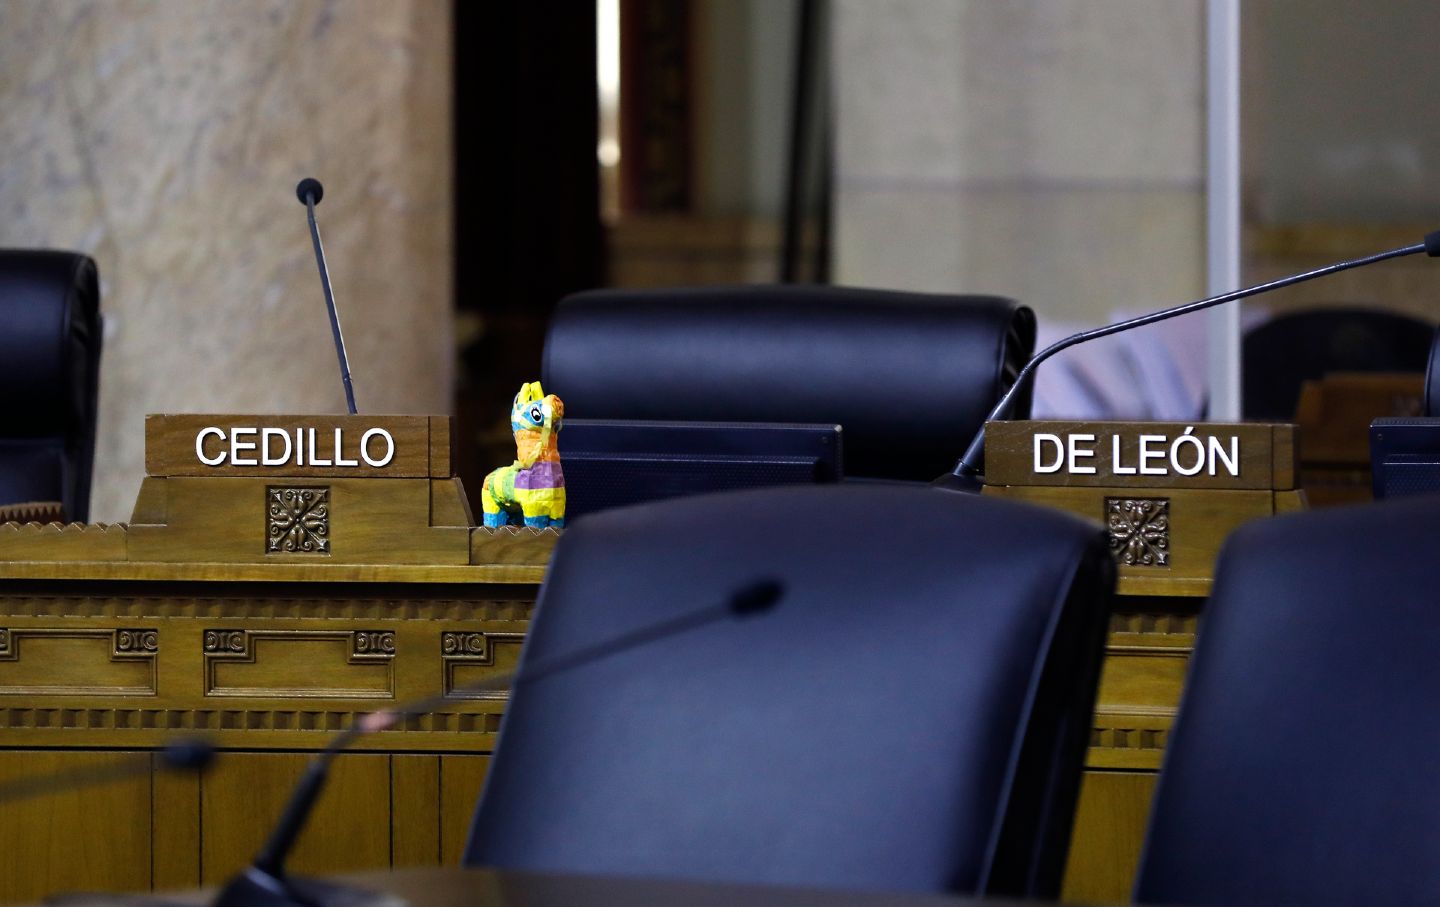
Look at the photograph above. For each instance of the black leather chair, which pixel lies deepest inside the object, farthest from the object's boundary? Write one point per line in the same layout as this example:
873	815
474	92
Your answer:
912	715
1302	766
909	376
49	378
1279	356
1432	378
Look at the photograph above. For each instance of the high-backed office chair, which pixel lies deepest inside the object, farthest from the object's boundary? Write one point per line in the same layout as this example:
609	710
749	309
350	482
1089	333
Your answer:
49	377
1432	378
1282	354
913	713
909	376
1301	767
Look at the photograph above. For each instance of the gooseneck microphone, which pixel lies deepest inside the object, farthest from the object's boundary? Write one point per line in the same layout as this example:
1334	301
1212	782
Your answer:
189	755
309	191
969	473
265	884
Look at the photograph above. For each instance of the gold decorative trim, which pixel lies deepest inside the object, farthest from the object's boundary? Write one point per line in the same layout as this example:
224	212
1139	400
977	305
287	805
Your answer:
1117	738
1149	623
324	721
153	608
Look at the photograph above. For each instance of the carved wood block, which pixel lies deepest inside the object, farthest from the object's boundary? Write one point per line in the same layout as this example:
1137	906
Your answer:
1193	524
354	521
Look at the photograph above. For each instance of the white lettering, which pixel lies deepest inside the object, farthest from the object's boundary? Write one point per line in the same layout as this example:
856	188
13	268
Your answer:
389	447
339	457
1147	454
200	446
299	447
1079	453
1187	438
1232	462
236	446
1120	469
268	459
1059	453
314	456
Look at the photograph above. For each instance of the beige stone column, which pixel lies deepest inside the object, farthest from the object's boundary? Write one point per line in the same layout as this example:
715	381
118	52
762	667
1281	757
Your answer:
1048	150
165	139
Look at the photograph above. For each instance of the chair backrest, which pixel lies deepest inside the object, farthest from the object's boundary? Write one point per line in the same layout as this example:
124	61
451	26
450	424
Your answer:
1300	770
49	377
1280	355
912	715
1432	378
909	376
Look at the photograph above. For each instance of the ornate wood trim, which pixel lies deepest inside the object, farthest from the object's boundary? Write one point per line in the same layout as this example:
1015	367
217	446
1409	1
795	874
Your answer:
371	648
126	645
471	648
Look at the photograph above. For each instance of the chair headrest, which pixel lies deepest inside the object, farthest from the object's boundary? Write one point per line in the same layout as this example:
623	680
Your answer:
50	312
909	376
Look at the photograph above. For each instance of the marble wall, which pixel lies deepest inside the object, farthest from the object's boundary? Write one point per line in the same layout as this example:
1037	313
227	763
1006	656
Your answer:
1047	150
165	139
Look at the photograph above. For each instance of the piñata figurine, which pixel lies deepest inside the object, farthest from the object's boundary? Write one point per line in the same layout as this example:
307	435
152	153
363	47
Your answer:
533	487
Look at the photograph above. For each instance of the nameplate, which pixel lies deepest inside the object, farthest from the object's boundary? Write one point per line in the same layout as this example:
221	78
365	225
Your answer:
1248	456
320	446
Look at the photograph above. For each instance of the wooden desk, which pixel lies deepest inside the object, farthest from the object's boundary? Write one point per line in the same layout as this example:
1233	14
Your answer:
115	640
492	888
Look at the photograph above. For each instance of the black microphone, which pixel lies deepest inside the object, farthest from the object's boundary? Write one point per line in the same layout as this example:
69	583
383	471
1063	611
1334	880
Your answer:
969	473
192	755
309	191
264	883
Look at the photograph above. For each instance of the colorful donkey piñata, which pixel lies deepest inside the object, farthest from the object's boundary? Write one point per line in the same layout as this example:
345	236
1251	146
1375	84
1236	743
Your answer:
533	486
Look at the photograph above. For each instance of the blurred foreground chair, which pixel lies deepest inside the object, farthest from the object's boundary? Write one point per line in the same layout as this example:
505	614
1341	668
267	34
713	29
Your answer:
1432	378
909	376
1282	354
49	378
1301	767
912	715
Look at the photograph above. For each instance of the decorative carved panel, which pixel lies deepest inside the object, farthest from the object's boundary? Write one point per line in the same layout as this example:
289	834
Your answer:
297	520
470	657
1139	531
338	664
44	661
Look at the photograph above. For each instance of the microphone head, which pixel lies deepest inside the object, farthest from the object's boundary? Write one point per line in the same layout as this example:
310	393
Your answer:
188	755
309	191
756	597
1432	244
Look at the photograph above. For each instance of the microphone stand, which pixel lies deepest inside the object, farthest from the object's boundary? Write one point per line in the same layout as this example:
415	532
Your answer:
264	882
309	191
968	475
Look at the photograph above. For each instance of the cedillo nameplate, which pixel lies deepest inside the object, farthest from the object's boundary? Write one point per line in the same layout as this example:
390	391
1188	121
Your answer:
319	446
